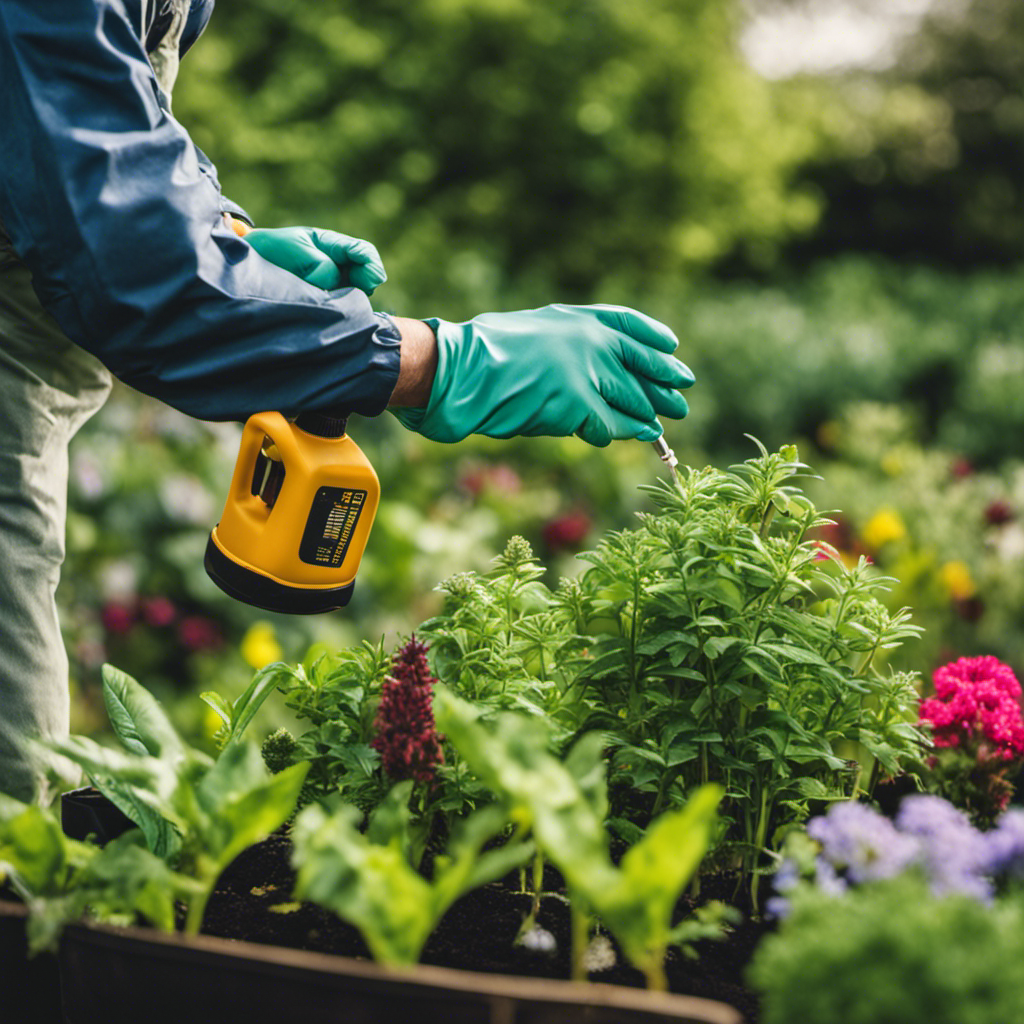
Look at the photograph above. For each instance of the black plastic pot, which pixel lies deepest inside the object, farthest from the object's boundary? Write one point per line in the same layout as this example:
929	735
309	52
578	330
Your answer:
86	811
110	975
29	986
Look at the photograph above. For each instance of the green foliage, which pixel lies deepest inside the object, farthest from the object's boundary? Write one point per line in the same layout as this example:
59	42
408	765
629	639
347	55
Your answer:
892	952
781	360
505	640
470	129
924	160
197	814
949	531
337	693
718	642
61	879
565	805
238	714
368	880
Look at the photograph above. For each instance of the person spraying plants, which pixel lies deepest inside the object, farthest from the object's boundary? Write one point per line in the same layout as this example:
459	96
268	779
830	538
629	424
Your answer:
118	257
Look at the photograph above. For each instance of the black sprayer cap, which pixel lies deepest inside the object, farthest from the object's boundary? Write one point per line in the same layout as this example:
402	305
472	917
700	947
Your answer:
253	588
321	424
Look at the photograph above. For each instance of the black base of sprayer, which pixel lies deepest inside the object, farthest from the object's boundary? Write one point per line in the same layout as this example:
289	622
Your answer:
260	591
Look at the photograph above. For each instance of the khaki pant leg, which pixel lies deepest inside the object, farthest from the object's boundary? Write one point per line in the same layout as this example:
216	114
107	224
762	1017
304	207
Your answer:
48	388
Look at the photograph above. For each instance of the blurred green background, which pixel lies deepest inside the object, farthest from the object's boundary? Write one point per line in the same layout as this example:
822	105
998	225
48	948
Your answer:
822	198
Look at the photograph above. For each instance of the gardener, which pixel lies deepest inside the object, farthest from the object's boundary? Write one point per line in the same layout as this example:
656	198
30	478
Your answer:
116	258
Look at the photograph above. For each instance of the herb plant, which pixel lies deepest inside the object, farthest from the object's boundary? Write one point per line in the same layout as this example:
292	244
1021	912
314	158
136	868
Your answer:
336	693
196	813
717	642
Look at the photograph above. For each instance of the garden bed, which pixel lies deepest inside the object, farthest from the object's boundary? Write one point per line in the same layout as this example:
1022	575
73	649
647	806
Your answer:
477	934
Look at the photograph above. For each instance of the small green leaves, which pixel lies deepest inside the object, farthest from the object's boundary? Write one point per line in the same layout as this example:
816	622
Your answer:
236	717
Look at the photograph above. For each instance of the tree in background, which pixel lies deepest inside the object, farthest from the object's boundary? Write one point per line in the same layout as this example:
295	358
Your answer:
526	148
926	161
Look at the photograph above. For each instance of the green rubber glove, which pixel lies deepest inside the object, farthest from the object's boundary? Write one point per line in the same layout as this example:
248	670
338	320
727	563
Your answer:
322	258
600	372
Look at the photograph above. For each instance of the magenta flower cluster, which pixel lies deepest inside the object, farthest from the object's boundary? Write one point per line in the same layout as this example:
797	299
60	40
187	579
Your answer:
407	741
976	707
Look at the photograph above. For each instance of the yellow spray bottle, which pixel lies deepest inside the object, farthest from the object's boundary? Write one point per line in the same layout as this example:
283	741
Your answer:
297	518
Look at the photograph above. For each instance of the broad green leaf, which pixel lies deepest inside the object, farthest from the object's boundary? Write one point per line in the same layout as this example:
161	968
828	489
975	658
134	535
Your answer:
653	873
161	837
33	846
359	757
244	802
137	718
370	886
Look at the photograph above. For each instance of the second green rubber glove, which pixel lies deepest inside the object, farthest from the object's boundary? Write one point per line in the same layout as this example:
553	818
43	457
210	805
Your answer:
323	258
600	372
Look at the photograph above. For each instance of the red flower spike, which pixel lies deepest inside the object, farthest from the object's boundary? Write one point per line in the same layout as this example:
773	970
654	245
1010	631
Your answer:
407	741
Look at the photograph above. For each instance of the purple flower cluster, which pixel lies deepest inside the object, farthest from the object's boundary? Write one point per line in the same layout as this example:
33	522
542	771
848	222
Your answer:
1006	844
861	842
858	845
952	852
407	741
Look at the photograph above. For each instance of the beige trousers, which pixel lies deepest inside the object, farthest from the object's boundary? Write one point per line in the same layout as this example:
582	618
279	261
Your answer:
48	388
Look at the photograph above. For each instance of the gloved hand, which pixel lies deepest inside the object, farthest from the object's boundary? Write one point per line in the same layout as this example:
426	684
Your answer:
322	258
601	372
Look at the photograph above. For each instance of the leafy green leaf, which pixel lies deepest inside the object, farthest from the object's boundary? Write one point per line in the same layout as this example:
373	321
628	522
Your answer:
137	718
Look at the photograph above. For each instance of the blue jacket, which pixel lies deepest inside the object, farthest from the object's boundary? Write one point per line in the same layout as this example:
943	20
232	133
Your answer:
118	216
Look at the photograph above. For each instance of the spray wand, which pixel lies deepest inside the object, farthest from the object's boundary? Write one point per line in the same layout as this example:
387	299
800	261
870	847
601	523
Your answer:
667	456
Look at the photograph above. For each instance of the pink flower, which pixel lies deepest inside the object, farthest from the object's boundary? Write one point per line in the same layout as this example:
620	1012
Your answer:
977	707
566	531
407	741
198	633
117	617
158	611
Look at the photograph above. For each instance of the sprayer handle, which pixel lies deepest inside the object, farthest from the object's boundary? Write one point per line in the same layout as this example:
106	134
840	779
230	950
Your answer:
257	427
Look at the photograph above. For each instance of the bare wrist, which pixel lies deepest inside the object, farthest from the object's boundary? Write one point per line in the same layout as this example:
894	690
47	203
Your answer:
418	364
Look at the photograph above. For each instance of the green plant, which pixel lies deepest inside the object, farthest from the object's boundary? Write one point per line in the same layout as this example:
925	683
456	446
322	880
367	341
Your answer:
61	879
913	919
565	805
237	715
197	813
336	693
738	649
893	953
369	881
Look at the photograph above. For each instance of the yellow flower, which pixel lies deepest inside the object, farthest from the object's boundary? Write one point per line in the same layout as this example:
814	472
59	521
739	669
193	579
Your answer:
882	528
259	646
957	579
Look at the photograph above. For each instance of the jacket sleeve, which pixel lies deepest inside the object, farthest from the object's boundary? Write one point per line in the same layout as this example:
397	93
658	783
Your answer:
105	200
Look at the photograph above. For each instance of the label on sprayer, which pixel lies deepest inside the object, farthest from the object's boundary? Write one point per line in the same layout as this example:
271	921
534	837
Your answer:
330	525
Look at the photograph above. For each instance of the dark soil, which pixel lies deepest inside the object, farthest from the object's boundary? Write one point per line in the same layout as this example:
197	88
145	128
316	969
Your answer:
253	901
